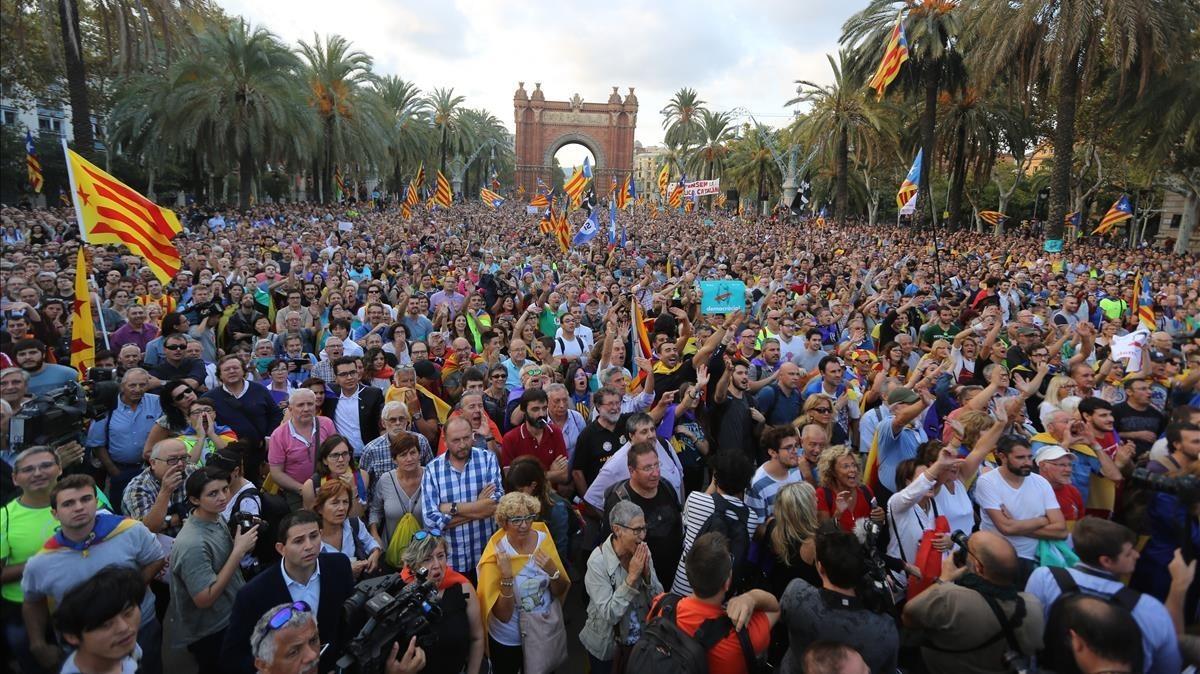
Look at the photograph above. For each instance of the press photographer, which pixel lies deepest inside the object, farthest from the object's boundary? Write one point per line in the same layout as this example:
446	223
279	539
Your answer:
974	618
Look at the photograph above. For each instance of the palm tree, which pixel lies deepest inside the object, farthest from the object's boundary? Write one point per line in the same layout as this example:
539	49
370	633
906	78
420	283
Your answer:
970	126
81	111
1072	39
751	166
708	159
840	118
354	121
445	105
681	118
236	99
410	130
933	29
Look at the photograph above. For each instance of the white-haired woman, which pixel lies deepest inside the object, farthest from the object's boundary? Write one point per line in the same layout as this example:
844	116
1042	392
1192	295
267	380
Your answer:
620	584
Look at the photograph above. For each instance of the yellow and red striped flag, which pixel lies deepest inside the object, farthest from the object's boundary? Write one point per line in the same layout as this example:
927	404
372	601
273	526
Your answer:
992	217
109	211
894	55
539	201
443	196
546	224
574	186
562	231
413	197
1144	312
623	194
83	332
664	178
33	166
491	198
1120	211
676	198
405	210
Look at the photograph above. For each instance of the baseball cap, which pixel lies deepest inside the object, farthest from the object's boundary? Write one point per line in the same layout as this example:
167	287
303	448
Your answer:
1050	453
902	394
1027	330
1159	357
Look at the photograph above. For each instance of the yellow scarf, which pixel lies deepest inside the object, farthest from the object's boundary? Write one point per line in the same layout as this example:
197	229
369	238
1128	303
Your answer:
489	572
661	367
442	408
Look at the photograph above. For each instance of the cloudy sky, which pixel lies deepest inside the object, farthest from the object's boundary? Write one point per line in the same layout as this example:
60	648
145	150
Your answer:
744	54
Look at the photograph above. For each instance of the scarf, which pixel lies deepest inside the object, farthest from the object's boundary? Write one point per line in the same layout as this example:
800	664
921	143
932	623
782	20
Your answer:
107	526
661	368
449	578
489	571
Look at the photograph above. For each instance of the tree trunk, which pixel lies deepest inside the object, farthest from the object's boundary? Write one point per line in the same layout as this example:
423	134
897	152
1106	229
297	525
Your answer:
329	194
245	177
928	140
842	194
150	182
81	112
959	180
442	152
1064	145
1191	209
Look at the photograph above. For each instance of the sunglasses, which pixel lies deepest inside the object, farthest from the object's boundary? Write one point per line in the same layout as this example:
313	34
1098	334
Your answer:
423	534
283	615
175	347
823	410
534	373
182	394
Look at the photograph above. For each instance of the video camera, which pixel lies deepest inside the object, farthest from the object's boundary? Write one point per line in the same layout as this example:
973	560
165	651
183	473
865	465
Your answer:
386	610
878	590
57	417
1185	487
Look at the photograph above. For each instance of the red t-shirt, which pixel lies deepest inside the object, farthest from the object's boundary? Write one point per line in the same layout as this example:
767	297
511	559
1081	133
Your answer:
1070	501
859	509
519	442
726	657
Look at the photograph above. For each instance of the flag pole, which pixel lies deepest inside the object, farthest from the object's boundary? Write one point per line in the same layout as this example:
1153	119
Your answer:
74	189
100	317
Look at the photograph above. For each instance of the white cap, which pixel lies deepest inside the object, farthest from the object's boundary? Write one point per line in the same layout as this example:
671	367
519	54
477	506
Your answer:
1050	453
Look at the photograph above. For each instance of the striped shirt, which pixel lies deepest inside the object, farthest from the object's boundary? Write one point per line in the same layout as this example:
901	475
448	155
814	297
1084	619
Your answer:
443	483
376	457
763	488
696	510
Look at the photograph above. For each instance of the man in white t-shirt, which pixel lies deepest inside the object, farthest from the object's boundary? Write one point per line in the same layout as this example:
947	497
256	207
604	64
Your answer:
1018	504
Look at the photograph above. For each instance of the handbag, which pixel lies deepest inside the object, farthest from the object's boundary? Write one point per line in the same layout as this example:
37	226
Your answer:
543	640
929	560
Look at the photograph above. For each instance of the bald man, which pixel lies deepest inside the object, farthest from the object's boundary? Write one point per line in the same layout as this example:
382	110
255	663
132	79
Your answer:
957	610
781	400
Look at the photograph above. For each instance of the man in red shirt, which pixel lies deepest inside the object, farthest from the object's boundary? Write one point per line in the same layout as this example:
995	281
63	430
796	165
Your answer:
1054	464
537	437
710	572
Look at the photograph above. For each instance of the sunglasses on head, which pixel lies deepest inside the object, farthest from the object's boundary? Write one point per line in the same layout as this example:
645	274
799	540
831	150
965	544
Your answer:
423	534
283	615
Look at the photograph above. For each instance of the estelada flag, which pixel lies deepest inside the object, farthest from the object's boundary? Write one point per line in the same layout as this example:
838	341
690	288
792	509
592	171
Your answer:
664	178
109	211
83	333
895	53
1121	211
992	217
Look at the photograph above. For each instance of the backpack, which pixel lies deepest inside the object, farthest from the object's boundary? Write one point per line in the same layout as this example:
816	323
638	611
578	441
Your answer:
271	508
731	521
664	648
1057	655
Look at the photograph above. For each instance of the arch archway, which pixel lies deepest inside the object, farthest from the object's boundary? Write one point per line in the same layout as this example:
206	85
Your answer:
543	127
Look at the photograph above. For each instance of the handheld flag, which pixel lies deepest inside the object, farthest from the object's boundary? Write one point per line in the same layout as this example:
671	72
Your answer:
442	196
1071	219
562	229
993	218
664	177
640	344
612	223
63	199
623	194
83	333
339	184
574	186
908	188
587	168
676	199
633	195
895	53
33	166
1142	309
491	198
588	230
539	201
109	211
546	224
1120	211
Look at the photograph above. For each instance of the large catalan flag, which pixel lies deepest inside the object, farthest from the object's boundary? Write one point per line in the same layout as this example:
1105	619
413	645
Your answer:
574	187
993	218
109	211
443	196
895	53
83	333
562	228
664	179
491	198
33	166
1120	211
908	188
546	224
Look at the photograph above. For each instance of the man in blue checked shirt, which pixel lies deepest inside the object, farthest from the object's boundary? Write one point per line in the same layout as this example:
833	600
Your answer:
459	494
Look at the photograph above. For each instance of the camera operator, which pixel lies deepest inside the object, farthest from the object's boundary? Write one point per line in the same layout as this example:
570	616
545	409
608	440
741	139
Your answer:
974	619
834	610
30	355
286	640
460	634
14	386
204	565
118	438
322	580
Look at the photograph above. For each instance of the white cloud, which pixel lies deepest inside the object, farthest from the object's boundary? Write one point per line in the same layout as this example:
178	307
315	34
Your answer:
743	55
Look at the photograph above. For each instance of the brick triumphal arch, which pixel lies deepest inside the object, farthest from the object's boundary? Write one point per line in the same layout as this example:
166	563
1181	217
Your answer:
606	129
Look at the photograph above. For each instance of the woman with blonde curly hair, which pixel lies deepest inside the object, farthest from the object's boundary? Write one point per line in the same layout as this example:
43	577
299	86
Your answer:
841	496
790	536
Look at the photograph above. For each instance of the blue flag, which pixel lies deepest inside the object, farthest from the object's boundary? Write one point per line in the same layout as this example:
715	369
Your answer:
588	230
587	168
612	222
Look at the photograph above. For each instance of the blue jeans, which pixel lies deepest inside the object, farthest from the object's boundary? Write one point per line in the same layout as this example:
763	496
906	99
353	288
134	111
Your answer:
16	637
150	638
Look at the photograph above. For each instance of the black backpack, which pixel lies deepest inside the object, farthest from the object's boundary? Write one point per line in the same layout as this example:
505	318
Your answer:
664	648
271	508
1057	652
731	520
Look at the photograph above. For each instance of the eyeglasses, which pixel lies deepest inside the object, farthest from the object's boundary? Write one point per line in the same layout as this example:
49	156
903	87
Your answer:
174	460
33	468
523	520
649	469
431	533
640	532
347	373
175	347
283	615
337	456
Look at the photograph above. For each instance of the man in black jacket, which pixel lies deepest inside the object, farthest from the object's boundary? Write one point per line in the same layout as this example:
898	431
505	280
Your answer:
356	409
245	406
323	581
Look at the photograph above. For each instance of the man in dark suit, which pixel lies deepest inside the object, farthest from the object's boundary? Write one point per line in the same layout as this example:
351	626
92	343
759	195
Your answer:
323	580
355	409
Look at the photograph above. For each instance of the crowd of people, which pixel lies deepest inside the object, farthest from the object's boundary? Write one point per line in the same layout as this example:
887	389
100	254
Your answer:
905	451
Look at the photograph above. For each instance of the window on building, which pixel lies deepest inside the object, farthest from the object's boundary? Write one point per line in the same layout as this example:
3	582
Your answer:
8	116
50	125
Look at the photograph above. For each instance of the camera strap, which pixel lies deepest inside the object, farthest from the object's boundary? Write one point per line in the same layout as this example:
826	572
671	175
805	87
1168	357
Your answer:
1006	628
